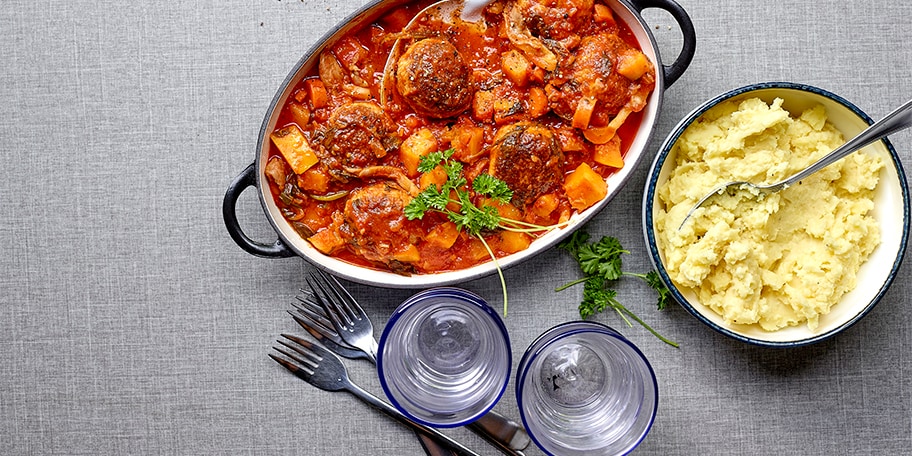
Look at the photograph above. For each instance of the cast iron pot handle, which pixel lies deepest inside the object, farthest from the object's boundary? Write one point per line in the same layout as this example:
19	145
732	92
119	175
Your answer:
676	69
247	178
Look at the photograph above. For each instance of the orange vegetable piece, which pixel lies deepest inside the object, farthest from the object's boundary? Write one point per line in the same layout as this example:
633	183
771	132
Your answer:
316	91
315	179
409	254
545	205
569	140
326	240
633	64
599	135
475	250
436	176
512	242
505	110
349	52
584	187
483	105
299	113
505	210
417	145
516	67
443	236
467	141
609	154
603	13
538	102
583	113
294	146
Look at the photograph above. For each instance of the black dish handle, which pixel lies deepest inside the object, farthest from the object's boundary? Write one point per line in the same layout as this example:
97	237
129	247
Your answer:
247	178
677	68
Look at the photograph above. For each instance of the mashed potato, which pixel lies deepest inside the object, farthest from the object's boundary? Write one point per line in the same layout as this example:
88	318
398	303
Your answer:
777	260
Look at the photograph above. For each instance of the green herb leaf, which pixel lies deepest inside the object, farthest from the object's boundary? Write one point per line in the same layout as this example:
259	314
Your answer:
601	263
428	162
652	278
596	298
490	186
416	208
574	242
602	258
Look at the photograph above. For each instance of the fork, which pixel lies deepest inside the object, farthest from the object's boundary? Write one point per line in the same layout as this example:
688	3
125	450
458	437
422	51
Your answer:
354	328
349	319
312	318
321	368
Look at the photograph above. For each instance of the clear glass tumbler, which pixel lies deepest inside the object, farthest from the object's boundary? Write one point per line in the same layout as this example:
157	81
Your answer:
583	389
444	357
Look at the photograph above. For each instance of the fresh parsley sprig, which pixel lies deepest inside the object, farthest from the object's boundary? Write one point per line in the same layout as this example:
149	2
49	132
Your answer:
472	218
469	217
601	263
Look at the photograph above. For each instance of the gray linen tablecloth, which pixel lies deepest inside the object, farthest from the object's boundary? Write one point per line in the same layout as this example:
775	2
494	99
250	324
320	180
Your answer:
130	323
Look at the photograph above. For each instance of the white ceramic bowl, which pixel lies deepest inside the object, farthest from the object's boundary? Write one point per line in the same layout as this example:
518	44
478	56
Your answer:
891	209
290	243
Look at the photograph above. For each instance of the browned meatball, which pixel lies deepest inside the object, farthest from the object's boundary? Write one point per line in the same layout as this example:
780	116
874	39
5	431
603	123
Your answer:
593	75
358	135
528	157
375	226
555	19
434	79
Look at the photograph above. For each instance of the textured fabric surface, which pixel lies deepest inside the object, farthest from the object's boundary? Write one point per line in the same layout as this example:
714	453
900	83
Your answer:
130	323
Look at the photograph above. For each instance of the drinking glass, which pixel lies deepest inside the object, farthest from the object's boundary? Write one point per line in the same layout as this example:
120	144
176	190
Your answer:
583	389
444	357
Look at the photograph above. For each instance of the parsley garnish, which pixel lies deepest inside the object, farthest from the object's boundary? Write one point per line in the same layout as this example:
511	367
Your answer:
470	217
601	263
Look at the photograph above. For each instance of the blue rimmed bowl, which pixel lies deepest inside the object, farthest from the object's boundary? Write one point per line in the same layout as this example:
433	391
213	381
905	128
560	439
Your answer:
891	210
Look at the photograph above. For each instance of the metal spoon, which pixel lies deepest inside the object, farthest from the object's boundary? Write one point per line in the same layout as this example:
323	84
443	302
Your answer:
898	120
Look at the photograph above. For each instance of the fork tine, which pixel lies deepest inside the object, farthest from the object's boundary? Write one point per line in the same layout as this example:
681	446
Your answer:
316	330
349	319
316	318
287	365
332	307
303	346
310	360
340	297
344	296
334	344
300	369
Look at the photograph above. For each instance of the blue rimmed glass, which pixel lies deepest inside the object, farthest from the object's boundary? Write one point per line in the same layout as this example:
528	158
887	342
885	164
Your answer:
583	389
444	357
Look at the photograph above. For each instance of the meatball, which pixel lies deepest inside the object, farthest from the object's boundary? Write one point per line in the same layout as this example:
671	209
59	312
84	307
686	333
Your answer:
555	19
357	135
528	157
375	226
434	79
593	75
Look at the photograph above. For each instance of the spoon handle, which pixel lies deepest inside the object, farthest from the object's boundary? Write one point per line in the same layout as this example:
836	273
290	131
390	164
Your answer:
898	120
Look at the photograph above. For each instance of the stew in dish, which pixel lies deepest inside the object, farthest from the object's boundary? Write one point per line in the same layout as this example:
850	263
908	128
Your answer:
544	95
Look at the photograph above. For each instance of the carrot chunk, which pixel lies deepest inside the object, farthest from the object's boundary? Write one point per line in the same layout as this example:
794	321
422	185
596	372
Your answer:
584	187
316	91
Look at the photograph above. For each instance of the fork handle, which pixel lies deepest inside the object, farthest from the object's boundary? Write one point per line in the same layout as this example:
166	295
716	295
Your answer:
432	448
398	416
